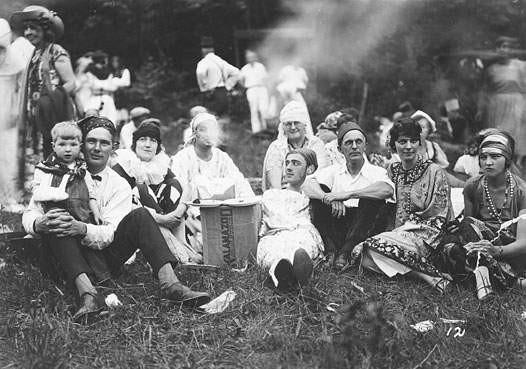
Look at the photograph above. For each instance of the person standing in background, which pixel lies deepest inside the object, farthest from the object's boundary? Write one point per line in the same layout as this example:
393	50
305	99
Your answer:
253	77
50	78
215	77
122	78
293	81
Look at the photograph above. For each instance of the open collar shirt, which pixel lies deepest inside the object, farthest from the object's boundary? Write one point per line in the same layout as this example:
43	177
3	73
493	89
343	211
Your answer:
338	179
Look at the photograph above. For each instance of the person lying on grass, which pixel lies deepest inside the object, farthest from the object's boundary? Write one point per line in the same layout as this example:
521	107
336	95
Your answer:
422	209
496	196
124	230
289	241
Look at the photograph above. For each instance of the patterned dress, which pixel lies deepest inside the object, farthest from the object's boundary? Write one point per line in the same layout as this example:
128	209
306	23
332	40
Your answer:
286	227
483	225
423	207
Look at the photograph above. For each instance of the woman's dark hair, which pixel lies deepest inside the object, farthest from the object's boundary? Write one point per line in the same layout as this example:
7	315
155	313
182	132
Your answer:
403	127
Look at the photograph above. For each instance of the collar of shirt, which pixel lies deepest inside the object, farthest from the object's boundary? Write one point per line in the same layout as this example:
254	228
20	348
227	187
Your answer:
365	171
102	174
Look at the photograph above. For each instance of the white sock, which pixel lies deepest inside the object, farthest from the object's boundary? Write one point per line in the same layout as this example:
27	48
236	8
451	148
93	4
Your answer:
84	284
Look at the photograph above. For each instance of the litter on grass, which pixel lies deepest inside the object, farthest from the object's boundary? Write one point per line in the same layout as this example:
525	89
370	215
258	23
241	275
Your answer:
112	301
424	326
219	304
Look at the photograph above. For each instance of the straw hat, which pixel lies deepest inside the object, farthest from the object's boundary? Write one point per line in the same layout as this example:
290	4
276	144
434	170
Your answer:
45	17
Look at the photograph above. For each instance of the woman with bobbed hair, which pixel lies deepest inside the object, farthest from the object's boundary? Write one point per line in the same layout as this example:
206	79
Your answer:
496	256
50	75
147	169
423	207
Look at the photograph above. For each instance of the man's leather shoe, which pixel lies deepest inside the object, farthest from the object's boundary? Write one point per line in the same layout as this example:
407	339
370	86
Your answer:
181	294
91	304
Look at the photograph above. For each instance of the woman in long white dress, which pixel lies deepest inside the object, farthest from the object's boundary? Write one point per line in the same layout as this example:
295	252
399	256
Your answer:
289	242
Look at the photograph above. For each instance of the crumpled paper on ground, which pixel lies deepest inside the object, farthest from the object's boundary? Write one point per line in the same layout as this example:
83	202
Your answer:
112	301
219	304
424	326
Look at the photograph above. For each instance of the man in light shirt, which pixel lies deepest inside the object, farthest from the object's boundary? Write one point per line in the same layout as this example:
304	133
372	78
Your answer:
254	76
215	77
73	243
347	197
137	115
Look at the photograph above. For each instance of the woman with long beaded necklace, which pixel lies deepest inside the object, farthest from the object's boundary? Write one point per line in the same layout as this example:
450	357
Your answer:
423	207
496	257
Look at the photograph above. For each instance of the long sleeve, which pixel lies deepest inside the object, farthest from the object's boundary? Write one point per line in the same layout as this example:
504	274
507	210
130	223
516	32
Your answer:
124	80
201	74
437	199
115	200
33	211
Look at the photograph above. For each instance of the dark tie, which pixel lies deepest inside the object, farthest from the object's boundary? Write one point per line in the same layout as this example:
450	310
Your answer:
96	177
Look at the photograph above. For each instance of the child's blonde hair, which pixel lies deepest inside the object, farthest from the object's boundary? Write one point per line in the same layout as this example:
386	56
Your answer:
66	130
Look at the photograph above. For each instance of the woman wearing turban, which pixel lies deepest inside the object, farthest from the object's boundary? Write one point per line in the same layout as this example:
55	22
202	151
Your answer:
491	199
210	172
293	119
205	167
289	242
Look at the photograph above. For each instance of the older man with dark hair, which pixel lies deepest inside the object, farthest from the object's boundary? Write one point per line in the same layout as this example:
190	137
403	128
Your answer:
125	230
347	197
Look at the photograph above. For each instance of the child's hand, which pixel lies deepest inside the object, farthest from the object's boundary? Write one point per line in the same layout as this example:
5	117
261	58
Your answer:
99	220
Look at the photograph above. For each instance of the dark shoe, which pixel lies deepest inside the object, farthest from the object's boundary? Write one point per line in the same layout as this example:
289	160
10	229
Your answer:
181	294
91	305
302	265
284	273
342	261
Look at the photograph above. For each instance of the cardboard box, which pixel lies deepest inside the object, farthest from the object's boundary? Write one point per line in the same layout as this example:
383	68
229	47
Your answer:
230	234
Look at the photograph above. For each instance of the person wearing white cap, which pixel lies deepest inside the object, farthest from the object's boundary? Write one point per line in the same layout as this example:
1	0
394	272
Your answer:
137	115
430	150
292	135
205	167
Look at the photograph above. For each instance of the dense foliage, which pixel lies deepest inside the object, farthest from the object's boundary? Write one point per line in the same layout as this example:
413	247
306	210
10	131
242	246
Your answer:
402	49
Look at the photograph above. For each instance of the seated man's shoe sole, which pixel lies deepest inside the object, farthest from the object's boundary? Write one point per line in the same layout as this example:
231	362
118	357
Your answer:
302	266
91	306
284	273
181	294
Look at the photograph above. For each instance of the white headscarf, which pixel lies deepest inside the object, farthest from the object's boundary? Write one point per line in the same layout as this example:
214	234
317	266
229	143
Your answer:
292	112
196	121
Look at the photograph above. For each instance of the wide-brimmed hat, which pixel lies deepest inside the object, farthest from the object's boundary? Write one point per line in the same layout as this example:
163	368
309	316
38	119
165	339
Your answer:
47	18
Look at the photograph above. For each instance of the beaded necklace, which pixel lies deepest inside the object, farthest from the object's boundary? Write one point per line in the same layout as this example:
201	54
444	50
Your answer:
409	177
507	192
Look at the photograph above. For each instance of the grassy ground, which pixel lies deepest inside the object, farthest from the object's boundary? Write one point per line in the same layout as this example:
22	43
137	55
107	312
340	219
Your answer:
260	329
369	329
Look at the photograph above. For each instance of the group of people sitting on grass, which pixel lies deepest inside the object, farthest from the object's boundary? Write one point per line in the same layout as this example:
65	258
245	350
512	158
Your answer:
94	207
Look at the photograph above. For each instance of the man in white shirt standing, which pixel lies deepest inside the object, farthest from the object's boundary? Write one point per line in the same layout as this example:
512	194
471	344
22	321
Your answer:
347	198
254	76
215	77
72	242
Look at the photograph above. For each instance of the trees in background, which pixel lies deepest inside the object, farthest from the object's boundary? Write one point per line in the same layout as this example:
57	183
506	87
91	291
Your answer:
401	49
